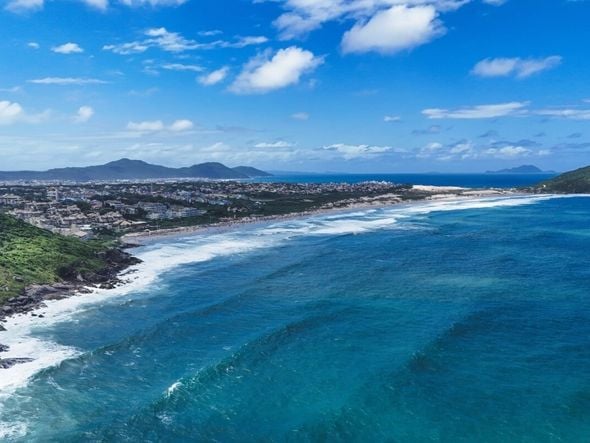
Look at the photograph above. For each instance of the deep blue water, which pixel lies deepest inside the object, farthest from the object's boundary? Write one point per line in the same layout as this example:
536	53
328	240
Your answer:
437	323
465	180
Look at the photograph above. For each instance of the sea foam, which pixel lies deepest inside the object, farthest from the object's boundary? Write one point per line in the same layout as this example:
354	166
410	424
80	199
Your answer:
23	331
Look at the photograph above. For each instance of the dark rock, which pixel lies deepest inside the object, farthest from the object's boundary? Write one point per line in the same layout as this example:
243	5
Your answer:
10	362
4	348
2	328
33	296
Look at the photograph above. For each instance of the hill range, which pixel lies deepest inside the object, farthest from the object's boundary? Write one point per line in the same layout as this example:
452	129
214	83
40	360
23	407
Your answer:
126	169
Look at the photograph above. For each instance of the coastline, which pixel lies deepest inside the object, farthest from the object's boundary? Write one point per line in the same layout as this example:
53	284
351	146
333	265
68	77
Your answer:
440	193
34	302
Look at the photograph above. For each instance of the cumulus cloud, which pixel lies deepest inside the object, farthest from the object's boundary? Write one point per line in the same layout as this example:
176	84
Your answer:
12	112
516	67
33	45
84	114
67	81
181	125
264	73
393	30
68	48
214	77
478	112
304	16
391	118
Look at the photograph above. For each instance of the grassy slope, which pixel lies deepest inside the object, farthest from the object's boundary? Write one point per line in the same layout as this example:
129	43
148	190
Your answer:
34	255
577	181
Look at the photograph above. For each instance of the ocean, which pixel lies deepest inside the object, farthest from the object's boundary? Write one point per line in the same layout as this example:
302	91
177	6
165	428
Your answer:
431	179
448	321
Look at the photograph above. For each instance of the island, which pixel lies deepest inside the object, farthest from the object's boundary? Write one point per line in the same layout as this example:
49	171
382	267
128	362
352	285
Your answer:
524	169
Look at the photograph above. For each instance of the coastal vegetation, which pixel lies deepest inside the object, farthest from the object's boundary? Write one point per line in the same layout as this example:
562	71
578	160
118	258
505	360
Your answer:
573	182
30	255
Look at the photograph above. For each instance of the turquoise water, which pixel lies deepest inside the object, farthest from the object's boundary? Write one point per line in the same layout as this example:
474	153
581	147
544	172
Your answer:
442	322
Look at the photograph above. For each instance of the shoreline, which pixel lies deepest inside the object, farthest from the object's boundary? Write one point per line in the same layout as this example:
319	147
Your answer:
33	301
143	238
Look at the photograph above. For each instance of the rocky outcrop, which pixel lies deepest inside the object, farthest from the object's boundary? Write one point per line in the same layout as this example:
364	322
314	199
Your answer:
34	297
6	363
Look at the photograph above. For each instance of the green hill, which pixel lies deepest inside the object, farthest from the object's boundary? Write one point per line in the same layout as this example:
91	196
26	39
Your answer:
29	255
574	182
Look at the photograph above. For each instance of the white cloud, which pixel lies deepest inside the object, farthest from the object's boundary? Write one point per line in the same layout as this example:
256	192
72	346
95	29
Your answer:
391	118
19	6
84	114
101	5
157	37
214	77
182	67
10	112
146	126
174	42
508	152
33	45
13	90
242	42
181	125
66	81
277	144
517	67
567	113
263	74
158	125
429	150
153	3
68	48
393	30
301	116
478	112
349	152
303	16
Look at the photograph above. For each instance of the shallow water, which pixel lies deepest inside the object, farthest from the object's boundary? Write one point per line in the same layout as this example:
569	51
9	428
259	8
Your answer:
444	321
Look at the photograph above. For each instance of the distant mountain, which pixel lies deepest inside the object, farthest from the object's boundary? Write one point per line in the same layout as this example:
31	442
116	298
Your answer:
524	169
574	182
251	172
126	169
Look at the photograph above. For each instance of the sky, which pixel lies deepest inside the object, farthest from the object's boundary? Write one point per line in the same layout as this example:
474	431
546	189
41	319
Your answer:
302	85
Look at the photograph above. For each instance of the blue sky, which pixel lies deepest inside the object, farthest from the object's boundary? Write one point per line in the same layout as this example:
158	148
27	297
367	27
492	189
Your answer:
308	85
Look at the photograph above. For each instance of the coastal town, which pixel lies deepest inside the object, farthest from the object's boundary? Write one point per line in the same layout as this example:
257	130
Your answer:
87	210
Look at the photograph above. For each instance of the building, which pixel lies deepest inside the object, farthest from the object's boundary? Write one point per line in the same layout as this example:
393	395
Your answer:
10	200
